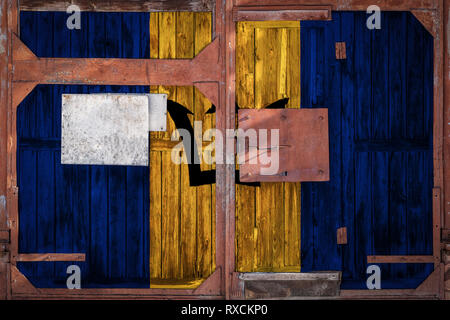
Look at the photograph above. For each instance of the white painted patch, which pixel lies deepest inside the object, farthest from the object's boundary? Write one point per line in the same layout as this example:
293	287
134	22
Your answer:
157	118
109	129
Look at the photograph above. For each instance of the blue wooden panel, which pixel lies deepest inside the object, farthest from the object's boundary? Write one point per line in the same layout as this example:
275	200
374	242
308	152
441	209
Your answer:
98	210
380	127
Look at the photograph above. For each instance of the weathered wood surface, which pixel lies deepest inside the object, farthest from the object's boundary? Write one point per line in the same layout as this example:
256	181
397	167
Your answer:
99	71
360	5
282	13
268	217
118	5
182	217
400	259
5	13
28	257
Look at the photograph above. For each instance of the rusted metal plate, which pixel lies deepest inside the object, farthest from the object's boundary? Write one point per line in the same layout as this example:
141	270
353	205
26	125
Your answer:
341	235
341	52
303	153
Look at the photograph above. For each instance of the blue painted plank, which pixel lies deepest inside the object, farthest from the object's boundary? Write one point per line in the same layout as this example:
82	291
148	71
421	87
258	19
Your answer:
347	151
363	160
328	194
380	131
117	177
398	122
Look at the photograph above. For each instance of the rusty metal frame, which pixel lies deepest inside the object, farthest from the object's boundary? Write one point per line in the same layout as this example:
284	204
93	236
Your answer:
224	282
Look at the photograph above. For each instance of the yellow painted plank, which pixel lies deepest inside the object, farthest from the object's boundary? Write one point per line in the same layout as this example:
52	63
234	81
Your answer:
154	35
154	54
171	228
205	202
292	224
185	96
245	95
155	215
167	50
245	195
271	24
245	220
270	81
293	78
170	218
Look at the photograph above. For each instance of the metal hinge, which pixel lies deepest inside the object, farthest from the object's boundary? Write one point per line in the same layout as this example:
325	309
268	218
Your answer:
341	52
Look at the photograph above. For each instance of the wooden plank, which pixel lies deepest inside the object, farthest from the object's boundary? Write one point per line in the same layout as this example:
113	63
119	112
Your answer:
347	146
29	257
118	5
202	36
294	67
97	71
170	218
292	191
170	214
281	13
363	125
246	232
446	113
380	130
266	84
167	50
355	5
400	259
292	224
188	211
155	215
4	103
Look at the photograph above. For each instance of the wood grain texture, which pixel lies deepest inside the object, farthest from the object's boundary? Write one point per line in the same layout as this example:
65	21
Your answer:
118	5
182	246
268	217
51	257
355	5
